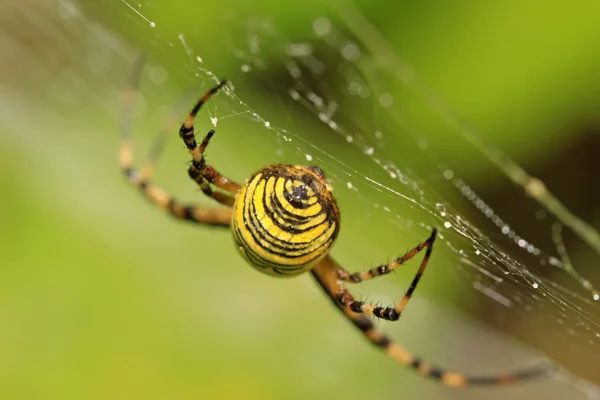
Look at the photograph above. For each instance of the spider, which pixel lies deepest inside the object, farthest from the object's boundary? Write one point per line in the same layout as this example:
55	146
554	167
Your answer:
285	220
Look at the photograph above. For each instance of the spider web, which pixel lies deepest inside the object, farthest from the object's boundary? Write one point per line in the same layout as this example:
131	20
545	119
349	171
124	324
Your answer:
338	95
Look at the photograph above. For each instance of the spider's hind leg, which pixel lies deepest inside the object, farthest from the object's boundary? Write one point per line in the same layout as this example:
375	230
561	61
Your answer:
385	269
326	274
346	300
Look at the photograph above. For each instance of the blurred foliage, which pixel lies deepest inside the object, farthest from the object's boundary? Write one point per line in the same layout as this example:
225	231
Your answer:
103	297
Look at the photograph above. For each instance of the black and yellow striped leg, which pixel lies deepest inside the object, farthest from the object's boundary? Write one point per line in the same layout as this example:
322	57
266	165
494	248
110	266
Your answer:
203	215
326	274
142	179
386	268
388	313
203	174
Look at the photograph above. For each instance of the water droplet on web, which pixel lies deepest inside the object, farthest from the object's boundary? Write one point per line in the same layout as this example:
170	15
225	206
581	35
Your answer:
386	100
535	285
308	157
158	74
298	50
214	120
152	24
354	88
199	59
267	124
315	99
448	174
322	26
447	224
350	51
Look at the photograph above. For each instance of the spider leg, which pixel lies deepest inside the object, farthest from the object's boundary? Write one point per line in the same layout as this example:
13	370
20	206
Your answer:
388	313
142	178
200	172
326	274
386	268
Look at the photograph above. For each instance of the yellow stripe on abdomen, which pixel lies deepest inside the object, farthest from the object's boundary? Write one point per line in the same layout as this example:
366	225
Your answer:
285	219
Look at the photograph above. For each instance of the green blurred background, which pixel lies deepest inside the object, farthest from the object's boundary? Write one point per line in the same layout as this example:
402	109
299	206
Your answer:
103	297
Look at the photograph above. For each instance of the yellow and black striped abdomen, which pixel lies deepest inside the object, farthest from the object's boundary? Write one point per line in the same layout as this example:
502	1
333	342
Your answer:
285	219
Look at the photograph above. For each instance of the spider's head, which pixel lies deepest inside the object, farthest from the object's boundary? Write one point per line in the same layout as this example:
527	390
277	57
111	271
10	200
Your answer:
321	176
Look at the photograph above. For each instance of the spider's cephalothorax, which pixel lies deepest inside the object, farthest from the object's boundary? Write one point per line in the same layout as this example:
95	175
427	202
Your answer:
285	219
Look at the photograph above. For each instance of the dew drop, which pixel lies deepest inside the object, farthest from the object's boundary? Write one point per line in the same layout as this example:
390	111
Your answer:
386	100
321	26
350	51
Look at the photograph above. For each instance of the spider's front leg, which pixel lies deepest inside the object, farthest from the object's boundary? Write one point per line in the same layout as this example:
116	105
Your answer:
388	313
200	172
142	178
